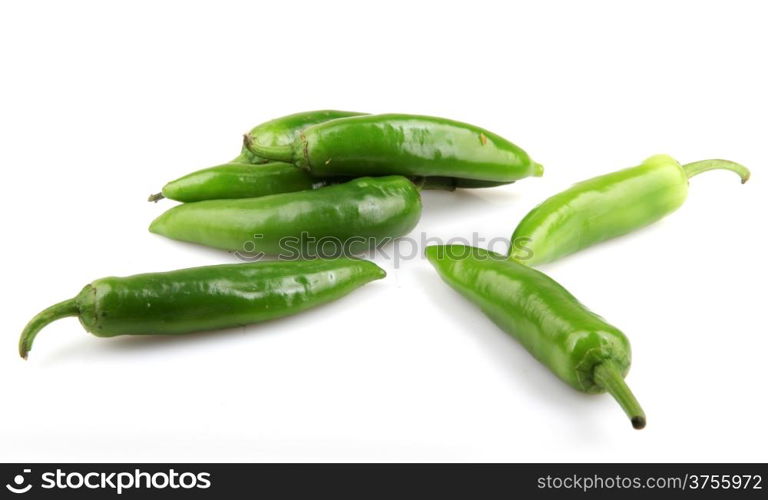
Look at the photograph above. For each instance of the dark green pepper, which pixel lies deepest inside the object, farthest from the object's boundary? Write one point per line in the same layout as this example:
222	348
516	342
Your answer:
228	181
336	220
402	144
575	343
237	180
607	206
205	298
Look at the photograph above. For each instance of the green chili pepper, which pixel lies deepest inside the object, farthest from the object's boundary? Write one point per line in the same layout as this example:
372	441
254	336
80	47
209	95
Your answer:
402	144
336	220
237	180
576	344
205	298
284	130
607	206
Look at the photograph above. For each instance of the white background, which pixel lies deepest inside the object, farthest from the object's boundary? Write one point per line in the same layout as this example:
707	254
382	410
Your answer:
103	102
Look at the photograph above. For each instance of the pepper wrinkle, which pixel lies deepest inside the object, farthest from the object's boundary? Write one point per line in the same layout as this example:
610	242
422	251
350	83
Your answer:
305	147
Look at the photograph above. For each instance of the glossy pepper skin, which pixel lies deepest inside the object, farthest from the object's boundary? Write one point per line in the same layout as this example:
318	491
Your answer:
205	298
284	130
237	180
400	144
607	206
336	220
229	181
576	344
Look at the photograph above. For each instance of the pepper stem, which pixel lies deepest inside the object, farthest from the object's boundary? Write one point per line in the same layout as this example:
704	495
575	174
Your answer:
697	167
155	197
608	376
277	153
56	311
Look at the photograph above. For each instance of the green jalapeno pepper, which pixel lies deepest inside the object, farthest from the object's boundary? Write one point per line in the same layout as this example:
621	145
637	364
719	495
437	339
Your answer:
575	343
336	220
607	206
407	145
205	298
237	180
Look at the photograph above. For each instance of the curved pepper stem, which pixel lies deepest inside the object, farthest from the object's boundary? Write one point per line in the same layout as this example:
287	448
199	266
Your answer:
698	167
277	153
56	311
608	376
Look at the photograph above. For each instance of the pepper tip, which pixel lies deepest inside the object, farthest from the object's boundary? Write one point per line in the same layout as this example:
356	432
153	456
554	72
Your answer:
638	422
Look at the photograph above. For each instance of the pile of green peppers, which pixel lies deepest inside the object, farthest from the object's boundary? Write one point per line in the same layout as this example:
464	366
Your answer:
338	183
